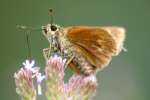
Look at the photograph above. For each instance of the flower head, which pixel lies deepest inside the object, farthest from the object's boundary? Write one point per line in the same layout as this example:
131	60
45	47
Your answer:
81	87
24	84
55	67
24	80
39	79
78	87
55	77
29	65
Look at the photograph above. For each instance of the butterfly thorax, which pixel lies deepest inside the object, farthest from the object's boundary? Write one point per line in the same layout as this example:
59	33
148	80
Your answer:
66	47
68	50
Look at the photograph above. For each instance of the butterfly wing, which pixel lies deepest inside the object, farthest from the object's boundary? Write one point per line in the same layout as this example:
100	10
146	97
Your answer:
96	44
119	35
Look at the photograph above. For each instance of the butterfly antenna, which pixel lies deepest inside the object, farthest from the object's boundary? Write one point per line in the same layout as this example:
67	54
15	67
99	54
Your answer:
28	32
51	15
22	27
28	45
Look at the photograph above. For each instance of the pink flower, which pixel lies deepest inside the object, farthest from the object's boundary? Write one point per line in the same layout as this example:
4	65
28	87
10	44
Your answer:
29	65
82	87
77	88
24	84
55	67
39	79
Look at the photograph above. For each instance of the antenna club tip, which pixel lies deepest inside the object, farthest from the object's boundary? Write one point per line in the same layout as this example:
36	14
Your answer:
50	10
21	27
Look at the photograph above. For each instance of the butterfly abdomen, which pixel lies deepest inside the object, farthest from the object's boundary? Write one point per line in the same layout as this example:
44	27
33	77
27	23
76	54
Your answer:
79	63
83	66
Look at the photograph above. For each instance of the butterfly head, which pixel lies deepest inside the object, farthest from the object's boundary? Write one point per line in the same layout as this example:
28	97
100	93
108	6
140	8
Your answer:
50	30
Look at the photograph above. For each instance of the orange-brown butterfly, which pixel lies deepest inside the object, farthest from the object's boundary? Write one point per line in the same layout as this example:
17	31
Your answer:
89	48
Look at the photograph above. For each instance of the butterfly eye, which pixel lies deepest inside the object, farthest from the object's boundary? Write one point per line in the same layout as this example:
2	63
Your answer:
53	28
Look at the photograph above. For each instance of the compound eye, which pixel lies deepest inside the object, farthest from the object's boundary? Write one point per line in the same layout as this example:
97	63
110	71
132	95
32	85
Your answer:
53	28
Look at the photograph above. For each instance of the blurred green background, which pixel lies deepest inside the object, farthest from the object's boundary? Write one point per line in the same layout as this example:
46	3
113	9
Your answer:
128	75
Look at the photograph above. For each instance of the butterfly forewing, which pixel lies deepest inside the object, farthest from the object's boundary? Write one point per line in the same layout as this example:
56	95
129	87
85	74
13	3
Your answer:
96	44
119	35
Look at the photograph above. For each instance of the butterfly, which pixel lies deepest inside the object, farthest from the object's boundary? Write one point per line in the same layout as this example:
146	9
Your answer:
88	48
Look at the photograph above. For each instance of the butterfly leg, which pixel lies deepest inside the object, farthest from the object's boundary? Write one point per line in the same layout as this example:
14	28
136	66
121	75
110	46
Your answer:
68	61
49	51
45	53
